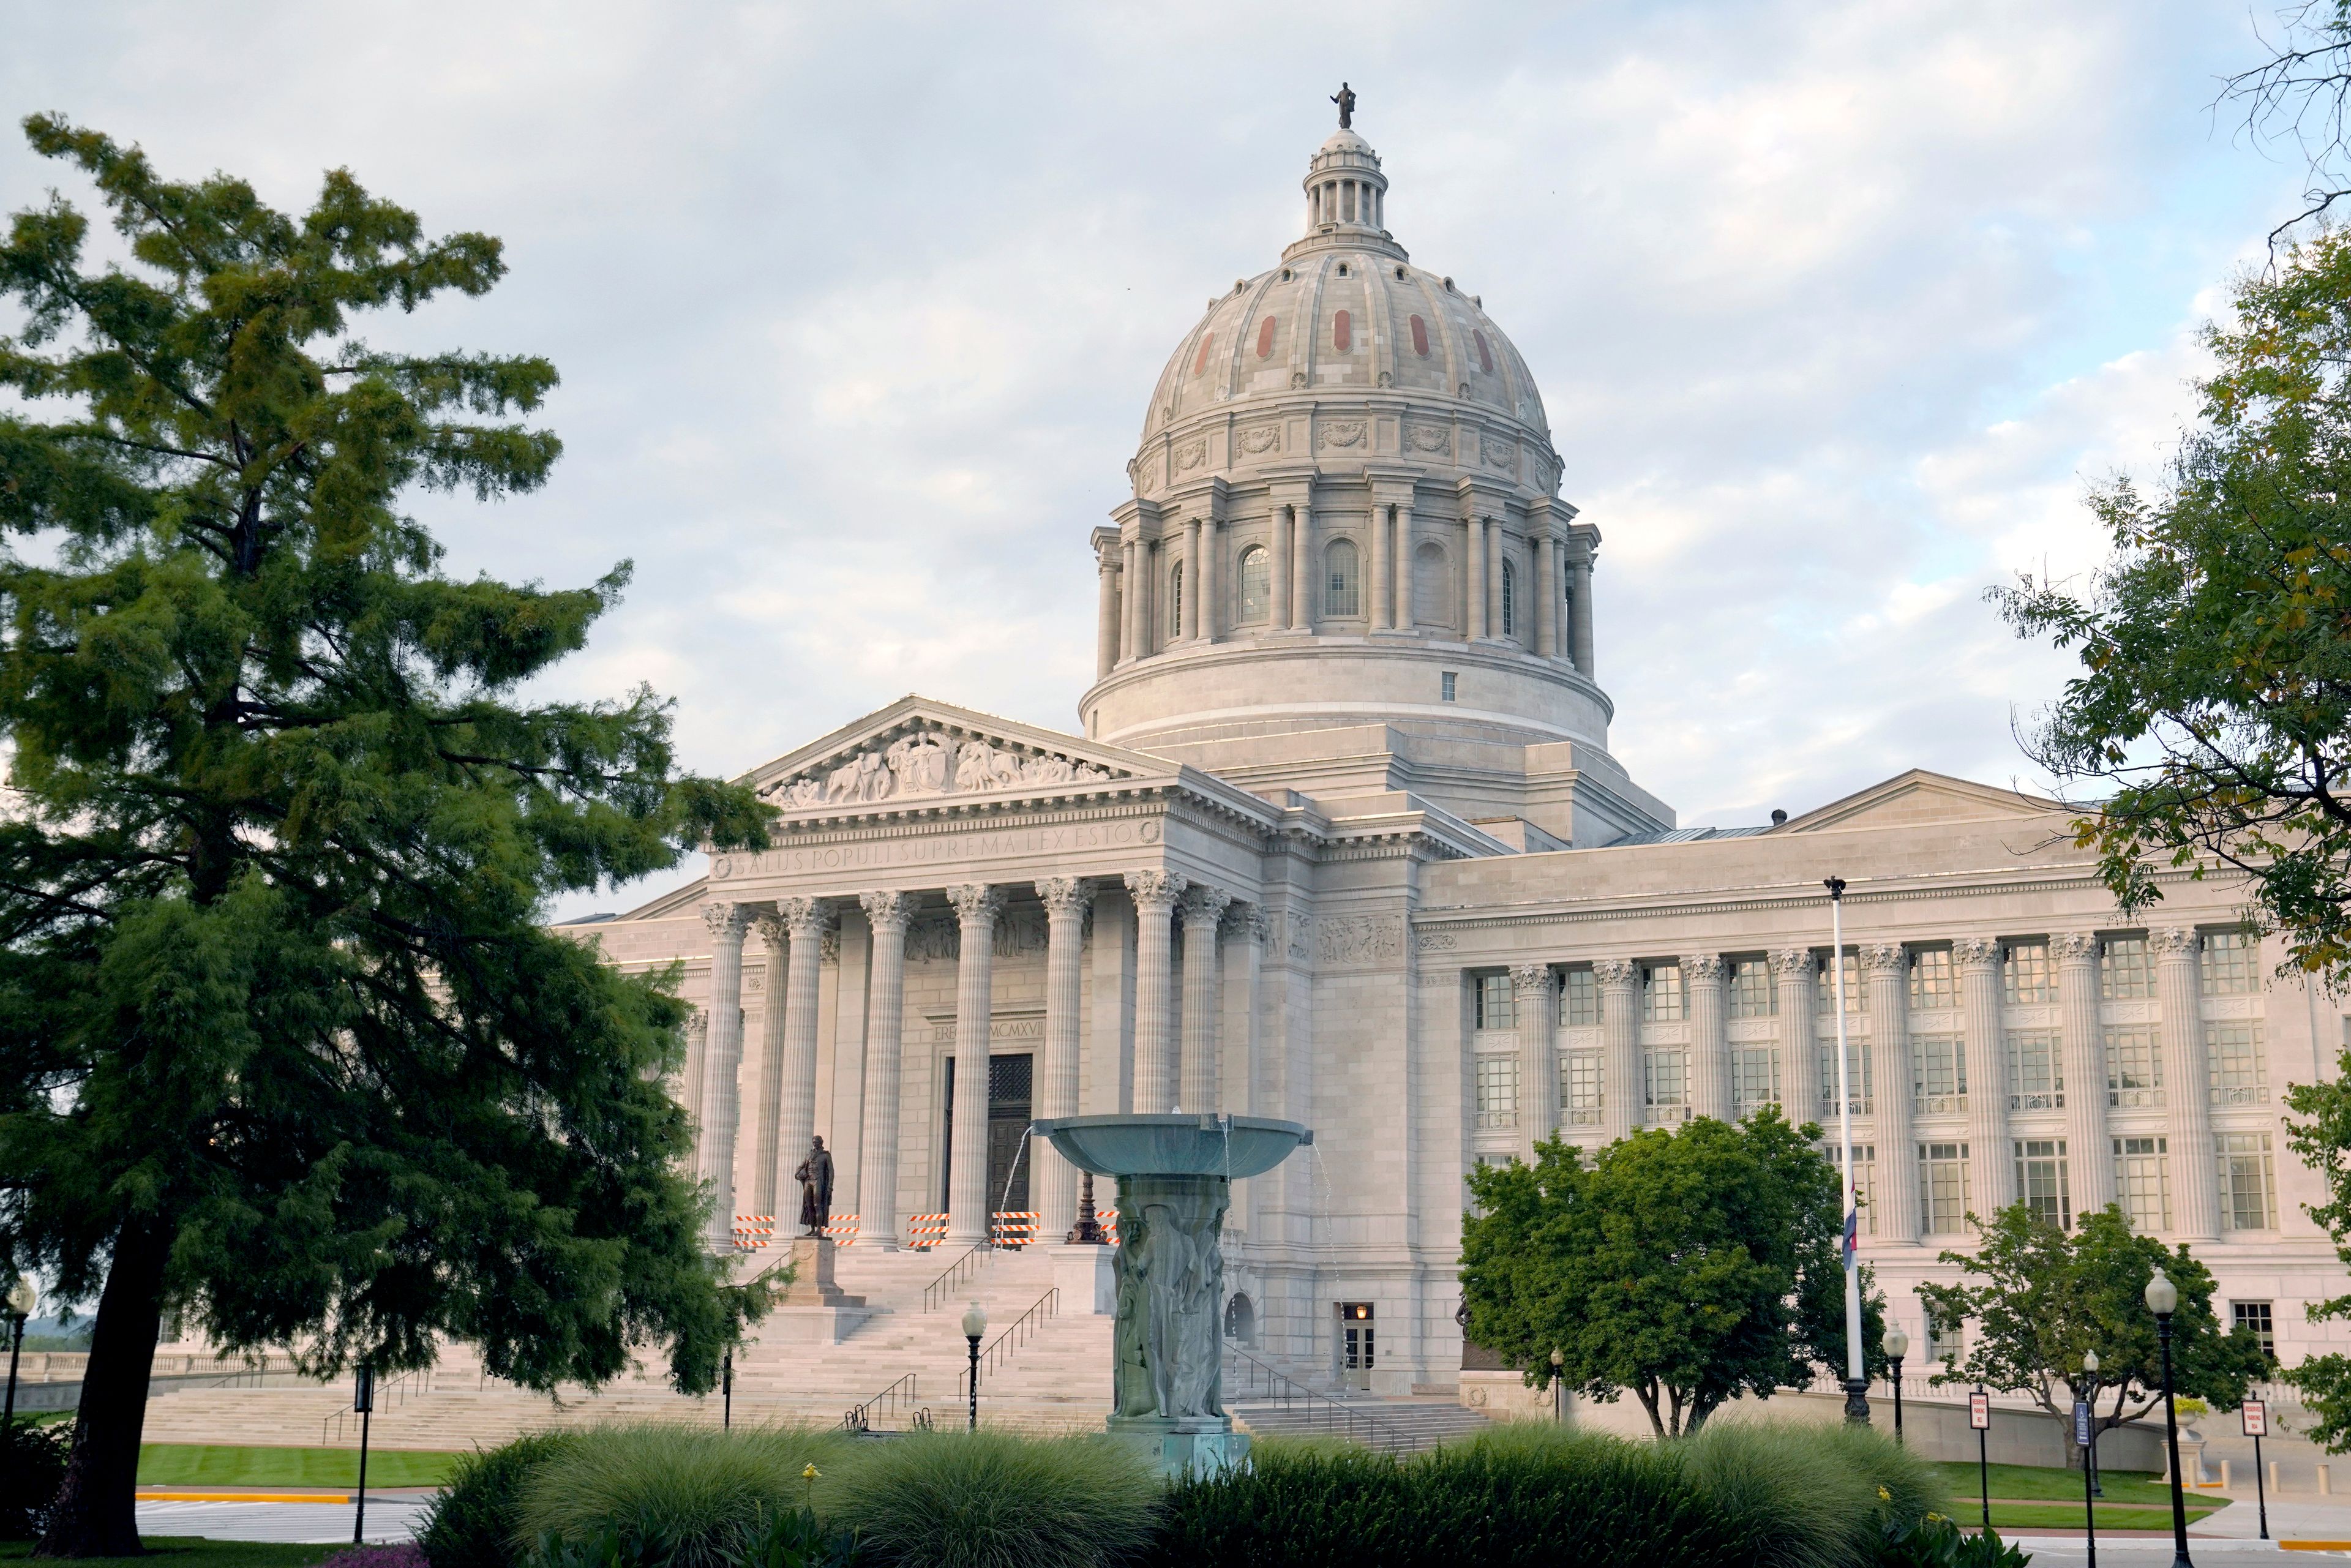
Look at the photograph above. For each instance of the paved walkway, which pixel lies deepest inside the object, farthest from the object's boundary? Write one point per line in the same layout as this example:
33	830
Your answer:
395	1518
2229	1536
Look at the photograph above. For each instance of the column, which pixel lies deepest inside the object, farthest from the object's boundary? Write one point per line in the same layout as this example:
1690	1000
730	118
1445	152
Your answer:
1547	593
1214	567
885	1019
1579	567
1146	592
1383	596
1204	911
1991	1161
1800	1055
1053	1184
1106	612
697	1055
1710	1041
804	919
1495	621
1473	533
1244	958
1155	892
1278	590
1886	970
1621	1088
1536	996
728	922
976	906
2088	1151
1302	570
1404	565
2187	1087
1196	584
767	1101
1131	595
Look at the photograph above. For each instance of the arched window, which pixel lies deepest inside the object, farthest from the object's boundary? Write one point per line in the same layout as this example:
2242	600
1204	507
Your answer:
1432	587
1257	585
1175	603
1340	595
1509	598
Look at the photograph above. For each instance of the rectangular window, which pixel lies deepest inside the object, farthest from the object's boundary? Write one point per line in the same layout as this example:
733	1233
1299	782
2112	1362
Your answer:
1496	1006
2041	1181
2143	1183
1824	992
2248	1181
1858	1072
1579	999
1865	1180
2134	1067
1446	685
1666	1076
1943	1195
1939	1065
1932	984
1754	1077
2255	1318
2124	973
1752	994
1662	995
1946	1336
2027	976
2035	1077
1497	1092
1579	1089
2238	1067
2231	961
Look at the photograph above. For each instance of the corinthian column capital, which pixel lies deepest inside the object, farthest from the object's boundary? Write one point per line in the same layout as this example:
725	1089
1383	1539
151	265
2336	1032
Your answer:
2174	940
1884	958
772	931
1617	974
1204	906
1702	966
2074	947
1064	895
1155	891
1975	953
1530	977
977	904
888	910
728	922
804	917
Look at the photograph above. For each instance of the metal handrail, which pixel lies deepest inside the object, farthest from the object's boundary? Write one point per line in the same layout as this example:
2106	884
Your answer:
938	1290
1026	1326
860	1417
388	1396
1285	1390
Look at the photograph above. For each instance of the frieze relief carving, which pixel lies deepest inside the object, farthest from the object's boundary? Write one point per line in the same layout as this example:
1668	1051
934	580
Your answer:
929	762
1437	942
1260	438
1431	438
1751	1031
1191	454
1500	453
1342	433
2127	1012
1358	938
938	938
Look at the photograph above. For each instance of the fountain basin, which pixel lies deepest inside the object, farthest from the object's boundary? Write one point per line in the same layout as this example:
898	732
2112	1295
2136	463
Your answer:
1228	1146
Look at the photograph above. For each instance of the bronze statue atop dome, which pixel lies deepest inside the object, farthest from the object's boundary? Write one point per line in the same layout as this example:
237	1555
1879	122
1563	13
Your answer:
1345	99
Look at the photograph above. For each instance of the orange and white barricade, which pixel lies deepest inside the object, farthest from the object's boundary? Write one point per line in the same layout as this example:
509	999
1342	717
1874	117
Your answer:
926	1231
842	1232
753	1231
1012	1227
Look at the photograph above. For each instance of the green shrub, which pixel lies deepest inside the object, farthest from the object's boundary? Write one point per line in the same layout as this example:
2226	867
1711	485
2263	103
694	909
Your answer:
1805	1495
476	1518
1936	1542
677	1496
32	1468
992	1499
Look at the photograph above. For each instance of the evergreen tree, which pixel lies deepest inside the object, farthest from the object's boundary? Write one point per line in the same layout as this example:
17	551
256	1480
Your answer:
283	1050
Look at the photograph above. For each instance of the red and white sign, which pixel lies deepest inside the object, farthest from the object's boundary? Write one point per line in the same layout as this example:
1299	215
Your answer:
1980	1412
2257	1418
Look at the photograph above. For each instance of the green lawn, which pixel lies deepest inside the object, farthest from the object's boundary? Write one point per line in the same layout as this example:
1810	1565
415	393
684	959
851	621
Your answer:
2057	1516
199	1466
189	1551
2033	1483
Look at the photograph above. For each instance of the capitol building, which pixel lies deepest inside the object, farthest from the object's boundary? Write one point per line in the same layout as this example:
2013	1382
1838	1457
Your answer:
1338	837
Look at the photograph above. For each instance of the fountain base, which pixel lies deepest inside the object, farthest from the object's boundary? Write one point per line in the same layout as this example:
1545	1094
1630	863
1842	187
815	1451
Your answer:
1185	1444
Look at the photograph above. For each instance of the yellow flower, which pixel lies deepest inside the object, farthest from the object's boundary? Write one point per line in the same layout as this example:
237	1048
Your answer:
1885	1496
810	1474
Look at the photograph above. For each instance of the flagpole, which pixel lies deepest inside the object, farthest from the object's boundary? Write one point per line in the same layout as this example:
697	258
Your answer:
1856	1387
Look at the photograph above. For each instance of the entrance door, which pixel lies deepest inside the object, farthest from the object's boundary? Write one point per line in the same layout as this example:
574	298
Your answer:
1009	1078
1355	1349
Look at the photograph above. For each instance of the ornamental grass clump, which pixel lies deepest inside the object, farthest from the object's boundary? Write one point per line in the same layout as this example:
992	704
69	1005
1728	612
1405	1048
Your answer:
995	1500
681	1496
1807	1496
476	1517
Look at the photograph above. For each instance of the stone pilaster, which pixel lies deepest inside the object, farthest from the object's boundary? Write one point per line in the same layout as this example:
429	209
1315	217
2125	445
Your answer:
1054	1190
976	906
1535	995
886	1010
1106	606
720	1105
1278	592
2088	1150
1495	618
1155	892
1887	969
804	918
1382	568
768	1098
2187	1086
1792	972
1473	545
1579	566
1547	591
1204	910
1620	1086
1710	1041
1195	584
689	1091
1992	1163
1403	566
1244	958
1305	570
1133	591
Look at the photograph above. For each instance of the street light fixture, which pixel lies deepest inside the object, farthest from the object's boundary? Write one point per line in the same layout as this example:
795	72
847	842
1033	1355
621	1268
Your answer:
2163	1300
1898	1346
2085	1437
974	1323
1558	1360
2090	1373
22	1298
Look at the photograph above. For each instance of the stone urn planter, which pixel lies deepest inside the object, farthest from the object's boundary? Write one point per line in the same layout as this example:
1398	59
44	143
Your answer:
1174	1175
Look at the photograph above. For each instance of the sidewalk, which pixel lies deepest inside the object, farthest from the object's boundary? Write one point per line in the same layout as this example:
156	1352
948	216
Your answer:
391	1517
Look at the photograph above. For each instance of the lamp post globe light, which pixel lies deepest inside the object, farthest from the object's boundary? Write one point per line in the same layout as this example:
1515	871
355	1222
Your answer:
2163	1300
974	1323
22	1298
1898	1346
2090	1394
1558	1360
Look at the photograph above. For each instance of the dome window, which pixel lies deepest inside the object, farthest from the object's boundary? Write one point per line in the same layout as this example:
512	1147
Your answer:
1342	332
1509	598
1265	338
1256	578
1399	275
1341	596
1420	337
1485	354
1200	360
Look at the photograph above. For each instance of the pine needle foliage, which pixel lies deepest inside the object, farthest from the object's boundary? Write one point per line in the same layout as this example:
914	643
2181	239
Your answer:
283	1047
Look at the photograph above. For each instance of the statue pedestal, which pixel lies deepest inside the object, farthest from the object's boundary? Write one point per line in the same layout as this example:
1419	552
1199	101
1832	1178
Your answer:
812	1309
812	1285
1185	1444
1086	1278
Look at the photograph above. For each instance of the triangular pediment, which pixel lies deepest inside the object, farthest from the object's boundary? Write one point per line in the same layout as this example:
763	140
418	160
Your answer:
917	750
1920	798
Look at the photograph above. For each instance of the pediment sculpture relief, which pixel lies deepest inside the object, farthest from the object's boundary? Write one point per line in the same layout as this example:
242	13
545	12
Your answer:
929	762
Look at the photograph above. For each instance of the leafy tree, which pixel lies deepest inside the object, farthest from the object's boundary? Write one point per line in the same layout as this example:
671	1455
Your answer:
282	1048
2038	1297
1687	1267
2213	709
2323	1142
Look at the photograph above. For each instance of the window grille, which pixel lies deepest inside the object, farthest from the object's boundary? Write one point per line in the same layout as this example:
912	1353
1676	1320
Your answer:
1340	593
2232	964
2027	976
2036	1080
2256	1319
1933	987
2236	1063
1752	993
2124	973
1939	1065
1865	1180
2134	1067
1580	1000
1825	994
1943	1189
1579	1102
1256	585
1857	1070
1497	1092
1754	1077
2143	1183
1665	1075
1662	994
2248	1181
1496	1007
2041	1181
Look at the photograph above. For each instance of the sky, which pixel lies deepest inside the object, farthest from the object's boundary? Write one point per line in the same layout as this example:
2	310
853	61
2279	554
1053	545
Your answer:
1838	311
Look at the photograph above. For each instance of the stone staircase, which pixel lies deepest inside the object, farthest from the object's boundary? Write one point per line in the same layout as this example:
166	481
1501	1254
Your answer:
1396	1426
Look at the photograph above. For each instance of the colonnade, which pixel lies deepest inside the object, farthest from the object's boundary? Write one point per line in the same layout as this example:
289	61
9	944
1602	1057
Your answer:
1170	1072
1892	1123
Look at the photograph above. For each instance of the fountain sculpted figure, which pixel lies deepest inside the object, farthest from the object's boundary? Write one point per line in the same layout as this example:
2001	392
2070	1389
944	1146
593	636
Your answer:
1170	1288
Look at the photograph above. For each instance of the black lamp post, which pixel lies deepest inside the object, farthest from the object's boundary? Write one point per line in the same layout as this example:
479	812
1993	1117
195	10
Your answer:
2163	1300
21	1298
974	1323
363	1401
2085	1416
727	1391
1898	1346
1088	1231
1558	1406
